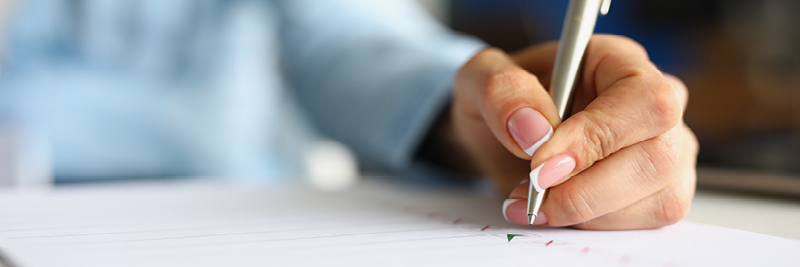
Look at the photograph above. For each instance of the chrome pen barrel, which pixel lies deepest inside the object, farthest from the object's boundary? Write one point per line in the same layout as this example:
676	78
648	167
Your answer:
578	28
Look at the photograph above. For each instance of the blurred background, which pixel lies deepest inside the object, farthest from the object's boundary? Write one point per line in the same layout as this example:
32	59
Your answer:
739	58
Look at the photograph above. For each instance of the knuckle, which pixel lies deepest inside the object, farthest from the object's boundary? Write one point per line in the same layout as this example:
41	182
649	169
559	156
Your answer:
694	144
673	208
574	207
679	84
487	53
599	136
662	156
623	41
499	84
666	105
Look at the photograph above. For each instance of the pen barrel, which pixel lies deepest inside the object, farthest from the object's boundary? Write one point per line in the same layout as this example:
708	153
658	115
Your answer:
575	36
578	29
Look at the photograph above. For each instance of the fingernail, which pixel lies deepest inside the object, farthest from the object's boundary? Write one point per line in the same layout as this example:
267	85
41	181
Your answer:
516	211
505	207
530	129
552	171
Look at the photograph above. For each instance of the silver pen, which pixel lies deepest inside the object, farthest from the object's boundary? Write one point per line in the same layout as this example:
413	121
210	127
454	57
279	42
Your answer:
578	29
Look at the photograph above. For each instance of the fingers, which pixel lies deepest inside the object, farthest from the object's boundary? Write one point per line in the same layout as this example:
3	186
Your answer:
620	180
634	102
680	87
624	128
666	207
609	194
509	100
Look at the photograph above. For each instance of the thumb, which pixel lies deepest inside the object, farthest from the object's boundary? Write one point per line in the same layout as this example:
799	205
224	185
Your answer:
509	100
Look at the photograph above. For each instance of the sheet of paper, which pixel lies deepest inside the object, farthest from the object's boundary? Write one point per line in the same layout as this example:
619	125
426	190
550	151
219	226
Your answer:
376	224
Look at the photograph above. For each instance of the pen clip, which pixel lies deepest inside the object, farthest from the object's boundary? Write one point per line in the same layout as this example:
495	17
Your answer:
605	7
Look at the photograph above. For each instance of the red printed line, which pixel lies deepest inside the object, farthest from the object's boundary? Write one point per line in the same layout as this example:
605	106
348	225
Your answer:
484	228
457	221
585	250
548	243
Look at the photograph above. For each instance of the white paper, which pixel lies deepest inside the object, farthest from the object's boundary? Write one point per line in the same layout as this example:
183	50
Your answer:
376	224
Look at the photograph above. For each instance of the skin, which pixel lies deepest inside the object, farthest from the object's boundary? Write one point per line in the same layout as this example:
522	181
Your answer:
635	157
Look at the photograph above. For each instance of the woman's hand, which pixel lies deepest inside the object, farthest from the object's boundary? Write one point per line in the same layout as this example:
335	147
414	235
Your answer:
623	160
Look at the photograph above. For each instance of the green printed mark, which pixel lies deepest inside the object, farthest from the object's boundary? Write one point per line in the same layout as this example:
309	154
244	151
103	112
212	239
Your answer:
512	236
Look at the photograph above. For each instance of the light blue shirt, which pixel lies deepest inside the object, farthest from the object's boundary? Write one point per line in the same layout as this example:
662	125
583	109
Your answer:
207	87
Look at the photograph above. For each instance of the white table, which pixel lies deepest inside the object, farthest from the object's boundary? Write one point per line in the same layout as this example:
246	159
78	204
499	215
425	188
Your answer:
778	217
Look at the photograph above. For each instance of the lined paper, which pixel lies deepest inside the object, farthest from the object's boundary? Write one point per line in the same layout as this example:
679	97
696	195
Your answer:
375	224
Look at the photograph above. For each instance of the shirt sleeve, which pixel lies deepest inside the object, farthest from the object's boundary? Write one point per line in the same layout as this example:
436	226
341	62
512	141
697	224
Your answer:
372	74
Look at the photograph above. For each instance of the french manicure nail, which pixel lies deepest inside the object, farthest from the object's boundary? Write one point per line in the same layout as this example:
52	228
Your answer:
552	171
530	129
515	211
540	219
505	207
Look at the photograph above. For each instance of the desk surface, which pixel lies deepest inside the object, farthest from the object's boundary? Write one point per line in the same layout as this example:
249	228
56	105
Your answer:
778	217
212	225
751	213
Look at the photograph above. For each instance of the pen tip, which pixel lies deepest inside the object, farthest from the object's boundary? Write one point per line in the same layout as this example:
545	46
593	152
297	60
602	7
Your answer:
531	218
